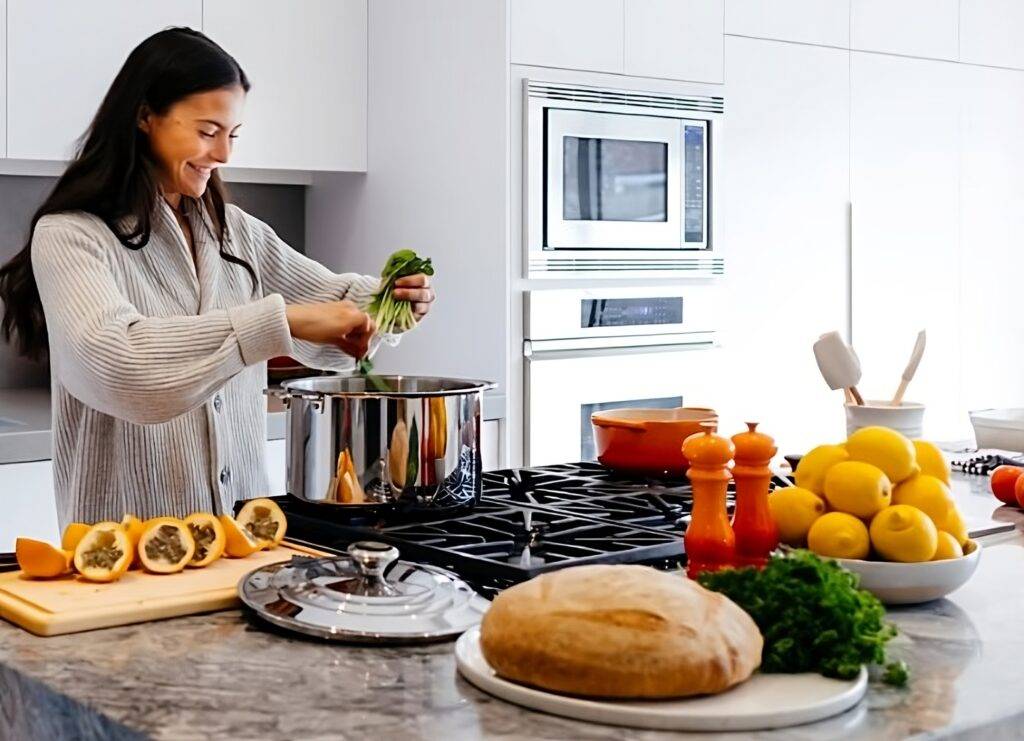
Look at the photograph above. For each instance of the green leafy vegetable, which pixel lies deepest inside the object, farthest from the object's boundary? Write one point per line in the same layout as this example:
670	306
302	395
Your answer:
897	674
812	614
391	315
394	316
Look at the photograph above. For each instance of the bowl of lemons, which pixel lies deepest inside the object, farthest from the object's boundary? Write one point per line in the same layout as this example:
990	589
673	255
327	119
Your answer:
880	505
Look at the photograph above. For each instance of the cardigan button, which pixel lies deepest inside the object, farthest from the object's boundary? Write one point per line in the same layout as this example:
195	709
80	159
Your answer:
225	475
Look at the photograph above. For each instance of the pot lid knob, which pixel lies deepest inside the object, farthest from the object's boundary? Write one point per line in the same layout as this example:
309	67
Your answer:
372	558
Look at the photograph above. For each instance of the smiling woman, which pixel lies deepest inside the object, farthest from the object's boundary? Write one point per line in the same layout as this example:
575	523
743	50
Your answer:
159	303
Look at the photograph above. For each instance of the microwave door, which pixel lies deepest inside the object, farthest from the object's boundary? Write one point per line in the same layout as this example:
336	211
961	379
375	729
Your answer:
612	181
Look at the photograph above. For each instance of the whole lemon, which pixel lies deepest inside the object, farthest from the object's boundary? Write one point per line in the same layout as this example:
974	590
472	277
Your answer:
856	488
794	510
886	449
904	533
810	471
929	495
931	460
956	526
839	535
948	548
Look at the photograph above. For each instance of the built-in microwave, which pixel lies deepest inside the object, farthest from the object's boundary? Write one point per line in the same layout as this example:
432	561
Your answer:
620	181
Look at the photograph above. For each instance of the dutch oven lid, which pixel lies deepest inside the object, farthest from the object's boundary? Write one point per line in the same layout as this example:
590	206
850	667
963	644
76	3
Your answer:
351	599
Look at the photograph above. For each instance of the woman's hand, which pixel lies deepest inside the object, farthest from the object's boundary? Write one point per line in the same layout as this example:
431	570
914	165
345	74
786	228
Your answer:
338	323
415	289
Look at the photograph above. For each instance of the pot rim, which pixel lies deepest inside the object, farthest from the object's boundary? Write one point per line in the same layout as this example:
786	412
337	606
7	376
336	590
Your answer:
300	388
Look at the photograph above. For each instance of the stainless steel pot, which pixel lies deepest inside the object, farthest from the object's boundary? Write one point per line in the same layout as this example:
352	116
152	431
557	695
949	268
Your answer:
415	445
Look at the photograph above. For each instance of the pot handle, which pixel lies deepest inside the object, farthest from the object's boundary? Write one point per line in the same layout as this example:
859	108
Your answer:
623	424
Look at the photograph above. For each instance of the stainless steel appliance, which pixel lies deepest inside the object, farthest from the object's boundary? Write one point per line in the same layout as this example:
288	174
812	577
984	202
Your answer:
593	349
415	445
620	182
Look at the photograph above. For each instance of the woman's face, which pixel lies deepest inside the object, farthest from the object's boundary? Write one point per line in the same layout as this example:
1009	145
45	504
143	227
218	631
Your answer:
194	137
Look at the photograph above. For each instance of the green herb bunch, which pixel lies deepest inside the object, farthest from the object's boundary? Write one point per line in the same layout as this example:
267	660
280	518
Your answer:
812	614
394	316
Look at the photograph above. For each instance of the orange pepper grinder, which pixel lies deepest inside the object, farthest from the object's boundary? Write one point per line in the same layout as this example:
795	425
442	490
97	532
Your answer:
756	533
709	540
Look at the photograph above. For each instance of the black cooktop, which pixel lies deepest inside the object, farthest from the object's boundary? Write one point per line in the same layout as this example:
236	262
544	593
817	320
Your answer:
529	521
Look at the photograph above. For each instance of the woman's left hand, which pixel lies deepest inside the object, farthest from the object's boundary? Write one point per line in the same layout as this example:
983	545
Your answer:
415	289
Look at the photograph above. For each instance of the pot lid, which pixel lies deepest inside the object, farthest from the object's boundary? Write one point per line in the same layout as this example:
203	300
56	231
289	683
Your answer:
351	598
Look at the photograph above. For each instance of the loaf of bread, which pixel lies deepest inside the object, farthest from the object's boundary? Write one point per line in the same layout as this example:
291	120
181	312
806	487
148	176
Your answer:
619	632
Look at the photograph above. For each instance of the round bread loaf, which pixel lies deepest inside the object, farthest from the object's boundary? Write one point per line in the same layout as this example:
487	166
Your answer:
619	632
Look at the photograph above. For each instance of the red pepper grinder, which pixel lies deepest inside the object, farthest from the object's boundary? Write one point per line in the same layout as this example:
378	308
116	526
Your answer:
756	533
709	540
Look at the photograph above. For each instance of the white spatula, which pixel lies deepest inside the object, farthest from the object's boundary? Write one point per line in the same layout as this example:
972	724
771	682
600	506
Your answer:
838	364
911	369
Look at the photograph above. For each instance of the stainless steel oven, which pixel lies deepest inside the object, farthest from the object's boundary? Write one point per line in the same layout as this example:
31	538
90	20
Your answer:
593	349
620	182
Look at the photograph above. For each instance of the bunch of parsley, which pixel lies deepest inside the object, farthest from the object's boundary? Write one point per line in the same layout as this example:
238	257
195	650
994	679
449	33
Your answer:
813	616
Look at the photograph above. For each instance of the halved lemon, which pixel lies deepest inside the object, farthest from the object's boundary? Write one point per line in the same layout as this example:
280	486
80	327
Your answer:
41	560
134	527
238	542
72	534
209	536
104	553
264	520
166	545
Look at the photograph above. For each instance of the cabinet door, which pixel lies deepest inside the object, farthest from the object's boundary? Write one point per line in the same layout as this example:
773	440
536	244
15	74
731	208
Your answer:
62	56
917	28
785	190
277	460
490	444
678	40
906	260
306	60
575	34
26	498
3	78
825	22
991	32
992	222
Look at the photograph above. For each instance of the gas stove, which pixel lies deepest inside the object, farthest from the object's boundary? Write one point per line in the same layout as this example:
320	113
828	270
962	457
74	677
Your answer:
529	521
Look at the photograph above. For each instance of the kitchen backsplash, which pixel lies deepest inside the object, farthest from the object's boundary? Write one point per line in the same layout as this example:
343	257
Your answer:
282	206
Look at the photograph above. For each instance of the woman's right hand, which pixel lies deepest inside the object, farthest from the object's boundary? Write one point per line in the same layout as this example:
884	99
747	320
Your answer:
338	323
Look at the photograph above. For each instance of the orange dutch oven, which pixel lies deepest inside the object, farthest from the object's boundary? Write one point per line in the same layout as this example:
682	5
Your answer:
647	441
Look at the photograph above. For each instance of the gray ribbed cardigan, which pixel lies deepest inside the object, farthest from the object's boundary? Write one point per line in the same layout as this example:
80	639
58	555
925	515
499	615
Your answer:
158	363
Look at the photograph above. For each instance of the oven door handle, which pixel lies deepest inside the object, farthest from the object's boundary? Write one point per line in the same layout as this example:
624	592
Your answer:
595	347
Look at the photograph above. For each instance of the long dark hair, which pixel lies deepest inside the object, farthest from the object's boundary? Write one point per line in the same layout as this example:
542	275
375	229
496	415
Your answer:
114	175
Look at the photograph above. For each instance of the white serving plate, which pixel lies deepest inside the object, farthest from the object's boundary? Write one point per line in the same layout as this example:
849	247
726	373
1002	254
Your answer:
763	702
910	583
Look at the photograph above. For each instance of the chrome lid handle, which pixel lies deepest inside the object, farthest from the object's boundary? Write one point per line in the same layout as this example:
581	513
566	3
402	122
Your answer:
372	558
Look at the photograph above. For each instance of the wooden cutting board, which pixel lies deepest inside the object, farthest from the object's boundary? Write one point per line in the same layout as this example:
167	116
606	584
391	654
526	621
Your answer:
49	607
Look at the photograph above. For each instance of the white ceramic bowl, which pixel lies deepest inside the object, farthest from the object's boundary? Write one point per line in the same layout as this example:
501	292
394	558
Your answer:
910	583
907	418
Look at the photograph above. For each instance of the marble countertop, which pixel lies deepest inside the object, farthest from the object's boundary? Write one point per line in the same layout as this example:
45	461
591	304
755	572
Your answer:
227	676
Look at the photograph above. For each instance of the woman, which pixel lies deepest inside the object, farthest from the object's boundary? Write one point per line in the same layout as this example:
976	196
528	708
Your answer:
161	303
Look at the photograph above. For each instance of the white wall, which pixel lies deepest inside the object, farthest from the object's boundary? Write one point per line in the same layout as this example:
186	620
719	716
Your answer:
436	182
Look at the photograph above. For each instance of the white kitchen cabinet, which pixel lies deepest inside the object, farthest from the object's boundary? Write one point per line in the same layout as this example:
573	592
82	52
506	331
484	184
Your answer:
575	34
276	453
62	56
306	60
825	22
490	444
3	77
681	40
905	150
992	261
917	28
784	235
27	501
991	33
